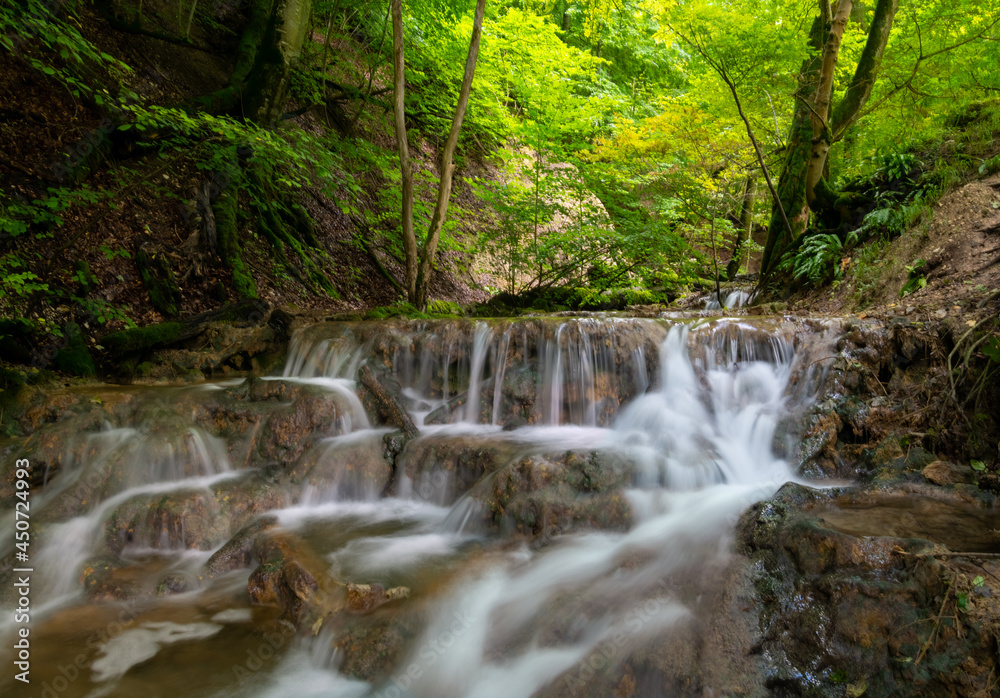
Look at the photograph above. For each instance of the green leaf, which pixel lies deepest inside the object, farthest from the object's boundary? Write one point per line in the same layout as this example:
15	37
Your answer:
978	465
991	347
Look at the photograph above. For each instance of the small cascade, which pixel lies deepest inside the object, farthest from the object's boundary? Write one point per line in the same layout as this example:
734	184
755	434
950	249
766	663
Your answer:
500	361
566	472
480	347
576	371
734	299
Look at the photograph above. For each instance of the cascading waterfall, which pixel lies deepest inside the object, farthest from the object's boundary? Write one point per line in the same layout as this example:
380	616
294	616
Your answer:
692	411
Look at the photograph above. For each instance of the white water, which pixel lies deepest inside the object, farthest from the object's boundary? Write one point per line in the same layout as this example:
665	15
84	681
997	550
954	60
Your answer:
699	436
734	299
701	445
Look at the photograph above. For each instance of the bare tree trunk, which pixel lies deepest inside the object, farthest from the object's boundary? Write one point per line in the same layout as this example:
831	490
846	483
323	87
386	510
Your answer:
745	226
447	168
406	171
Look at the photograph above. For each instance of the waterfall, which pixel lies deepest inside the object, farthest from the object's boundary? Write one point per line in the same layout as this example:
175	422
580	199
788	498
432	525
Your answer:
541	414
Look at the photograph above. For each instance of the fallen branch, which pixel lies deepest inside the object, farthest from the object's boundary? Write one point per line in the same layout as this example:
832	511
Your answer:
392	409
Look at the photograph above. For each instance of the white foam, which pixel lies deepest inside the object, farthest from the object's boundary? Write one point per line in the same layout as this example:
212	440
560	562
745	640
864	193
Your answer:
136	645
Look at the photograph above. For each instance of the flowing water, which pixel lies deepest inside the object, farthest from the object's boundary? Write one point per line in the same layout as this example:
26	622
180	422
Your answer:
682	426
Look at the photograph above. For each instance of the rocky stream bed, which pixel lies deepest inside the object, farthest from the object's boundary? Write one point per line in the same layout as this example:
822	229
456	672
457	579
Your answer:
549	506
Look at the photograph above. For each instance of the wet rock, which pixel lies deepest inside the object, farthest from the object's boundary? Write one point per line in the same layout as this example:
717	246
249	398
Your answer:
238	550
372	645
858	612
290	431
545	496
174	584
452	465
365	598
944	473
283	578
107	579
179	520
357	469
239	500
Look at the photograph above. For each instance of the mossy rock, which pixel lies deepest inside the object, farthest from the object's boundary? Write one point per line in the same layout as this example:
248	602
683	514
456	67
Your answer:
446	308
400	309
140	338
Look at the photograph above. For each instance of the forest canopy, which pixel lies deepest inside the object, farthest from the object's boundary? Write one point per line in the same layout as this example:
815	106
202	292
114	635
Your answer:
568	154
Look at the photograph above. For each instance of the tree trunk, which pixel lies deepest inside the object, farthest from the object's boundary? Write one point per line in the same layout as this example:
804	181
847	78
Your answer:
792	182
860	88
270	79
819	115
744	228
403	148
447	168
419	269
811	137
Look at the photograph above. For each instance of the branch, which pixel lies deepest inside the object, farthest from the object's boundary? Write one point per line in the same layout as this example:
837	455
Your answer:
908	83
739	107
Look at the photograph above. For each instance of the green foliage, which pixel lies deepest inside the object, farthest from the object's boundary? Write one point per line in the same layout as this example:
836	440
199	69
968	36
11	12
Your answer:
990	166
817	257
915	280
15	280
991	348
103	312
46	36
897	166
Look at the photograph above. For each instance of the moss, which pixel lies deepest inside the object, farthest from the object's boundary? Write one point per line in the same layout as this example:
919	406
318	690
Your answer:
141	338
400	309
227	230
74	358
448	308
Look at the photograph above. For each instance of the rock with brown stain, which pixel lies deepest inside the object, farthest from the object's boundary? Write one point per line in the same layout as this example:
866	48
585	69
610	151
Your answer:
943	473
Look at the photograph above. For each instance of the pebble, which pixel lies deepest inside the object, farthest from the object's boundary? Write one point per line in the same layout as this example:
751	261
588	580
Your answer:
942	313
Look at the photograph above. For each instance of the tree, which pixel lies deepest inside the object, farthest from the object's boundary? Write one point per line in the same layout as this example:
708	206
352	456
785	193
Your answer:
420	264
817	124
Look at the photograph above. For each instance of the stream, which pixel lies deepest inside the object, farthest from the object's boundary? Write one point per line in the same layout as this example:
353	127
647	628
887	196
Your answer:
567	508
